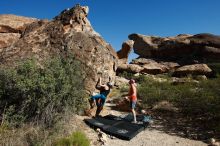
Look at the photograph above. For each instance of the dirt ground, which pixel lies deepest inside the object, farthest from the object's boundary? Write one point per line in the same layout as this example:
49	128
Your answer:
151	136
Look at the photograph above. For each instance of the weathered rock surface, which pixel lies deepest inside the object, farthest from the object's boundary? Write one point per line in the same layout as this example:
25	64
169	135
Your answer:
150	66
120	81
182	48
11	27
195	69
181	55
154	67
126	48
6	39
13	23
131	68
69	32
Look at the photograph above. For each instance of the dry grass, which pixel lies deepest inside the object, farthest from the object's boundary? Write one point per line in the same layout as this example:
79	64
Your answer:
30	134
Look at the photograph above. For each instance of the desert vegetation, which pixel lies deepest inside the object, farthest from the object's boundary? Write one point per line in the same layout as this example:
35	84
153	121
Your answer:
76	139
36	98
197	103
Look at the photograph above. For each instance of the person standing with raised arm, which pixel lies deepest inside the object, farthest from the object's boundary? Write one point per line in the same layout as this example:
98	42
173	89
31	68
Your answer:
132	97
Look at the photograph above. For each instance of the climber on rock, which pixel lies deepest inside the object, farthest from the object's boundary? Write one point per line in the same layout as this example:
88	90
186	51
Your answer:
100	98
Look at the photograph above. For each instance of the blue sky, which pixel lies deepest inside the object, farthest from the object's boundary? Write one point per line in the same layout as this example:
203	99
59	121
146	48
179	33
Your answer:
116	19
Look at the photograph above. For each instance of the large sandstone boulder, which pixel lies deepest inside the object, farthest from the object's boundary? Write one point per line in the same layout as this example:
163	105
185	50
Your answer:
13	23
11	27
194	69
182	48
151	66
126	48
154	68
121	81
131	68
69	32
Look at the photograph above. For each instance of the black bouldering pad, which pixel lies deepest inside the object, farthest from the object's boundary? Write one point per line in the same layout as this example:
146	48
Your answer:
142	119
100	122
124	130
117	126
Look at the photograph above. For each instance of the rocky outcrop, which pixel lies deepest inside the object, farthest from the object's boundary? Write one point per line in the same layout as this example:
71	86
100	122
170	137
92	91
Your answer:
185	49
181	55
149	66
126	48
195	69
7	29
120	81
13	23
75	19
6	39
131	68
68	33
11	28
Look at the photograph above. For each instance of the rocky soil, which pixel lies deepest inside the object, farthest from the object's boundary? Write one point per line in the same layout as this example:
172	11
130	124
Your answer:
154	135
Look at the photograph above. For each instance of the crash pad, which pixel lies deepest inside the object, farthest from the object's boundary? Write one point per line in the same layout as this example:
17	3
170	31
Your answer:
119	127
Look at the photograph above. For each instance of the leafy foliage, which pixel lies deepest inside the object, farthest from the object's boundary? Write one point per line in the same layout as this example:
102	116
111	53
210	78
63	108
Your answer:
193	98
41	93
215	67
76	139
126	75
196	100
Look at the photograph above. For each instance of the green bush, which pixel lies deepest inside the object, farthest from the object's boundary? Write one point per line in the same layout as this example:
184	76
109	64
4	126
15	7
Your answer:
195	101
41	93
192	99
205	98
126	75
215	67
129	76
152	91
76	139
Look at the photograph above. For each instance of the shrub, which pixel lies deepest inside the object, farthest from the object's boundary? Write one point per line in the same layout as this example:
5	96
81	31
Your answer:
200	102
76	139
215	67
126	75
192	99
152	91
41	93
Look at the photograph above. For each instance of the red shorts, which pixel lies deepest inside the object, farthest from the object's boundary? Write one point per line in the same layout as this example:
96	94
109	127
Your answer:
133	98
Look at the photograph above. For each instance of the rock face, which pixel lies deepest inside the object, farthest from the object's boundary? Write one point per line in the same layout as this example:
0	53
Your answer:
185	49
11	27
125	51
131	68
13	23
69	32
6	39
120	81
149	66
195	69
181	55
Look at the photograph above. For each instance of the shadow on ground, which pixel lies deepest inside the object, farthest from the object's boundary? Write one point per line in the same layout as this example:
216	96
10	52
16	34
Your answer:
175	123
